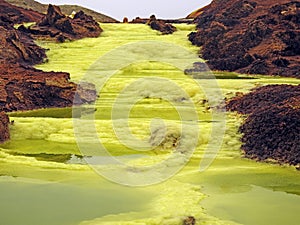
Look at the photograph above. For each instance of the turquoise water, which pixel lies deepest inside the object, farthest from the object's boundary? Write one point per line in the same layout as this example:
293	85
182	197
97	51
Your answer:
45	178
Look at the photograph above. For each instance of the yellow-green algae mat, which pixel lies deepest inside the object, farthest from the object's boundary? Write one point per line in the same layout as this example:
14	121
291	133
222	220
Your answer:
45	179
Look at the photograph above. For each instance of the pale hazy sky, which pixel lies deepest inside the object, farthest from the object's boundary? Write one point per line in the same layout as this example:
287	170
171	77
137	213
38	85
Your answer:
142	8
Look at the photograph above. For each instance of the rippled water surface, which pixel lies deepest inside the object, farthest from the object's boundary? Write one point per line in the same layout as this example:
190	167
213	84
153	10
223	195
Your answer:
45	178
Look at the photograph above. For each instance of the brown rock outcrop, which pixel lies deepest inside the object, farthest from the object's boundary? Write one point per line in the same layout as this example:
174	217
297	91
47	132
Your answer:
56	25
256	37
164	28
125	20
16	15
175	21
24	88
4	127
272	129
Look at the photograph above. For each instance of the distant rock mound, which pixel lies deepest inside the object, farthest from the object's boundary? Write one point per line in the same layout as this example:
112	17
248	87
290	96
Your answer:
255	37
164	28
16	15
271	131
156	24
56	25
66	9
175	21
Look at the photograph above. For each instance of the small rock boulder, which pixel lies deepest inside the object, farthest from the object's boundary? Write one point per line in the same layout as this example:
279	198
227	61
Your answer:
164	28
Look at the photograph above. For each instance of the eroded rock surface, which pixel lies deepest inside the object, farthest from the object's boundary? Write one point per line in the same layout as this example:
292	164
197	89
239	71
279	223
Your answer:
255	37
17	47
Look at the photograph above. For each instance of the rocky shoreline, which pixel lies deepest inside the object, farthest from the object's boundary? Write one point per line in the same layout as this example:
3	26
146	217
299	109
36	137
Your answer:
24	87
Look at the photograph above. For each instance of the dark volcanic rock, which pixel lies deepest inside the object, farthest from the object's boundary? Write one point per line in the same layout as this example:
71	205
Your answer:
16	15
272	129
60	27
164	28
140	20
277	136
250	36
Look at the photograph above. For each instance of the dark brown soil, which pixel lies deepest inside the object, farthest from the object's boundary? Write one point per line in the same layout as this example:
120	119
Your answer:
272	129
255	37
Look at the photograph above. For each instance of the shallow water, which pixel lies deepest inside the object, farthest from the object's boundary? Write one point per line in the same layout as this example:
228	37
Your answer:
45	178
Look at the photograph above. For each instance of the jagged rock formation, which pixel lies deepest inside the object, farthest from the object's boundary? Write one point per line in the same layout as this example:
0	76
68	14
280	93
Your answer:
17	47
24	88
14	14
272	129
60	27
256	37
66	9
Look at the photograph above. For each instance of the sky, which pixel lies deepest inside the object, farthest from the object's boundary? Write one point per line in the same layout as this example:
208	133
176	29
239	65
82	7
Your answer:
118	9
